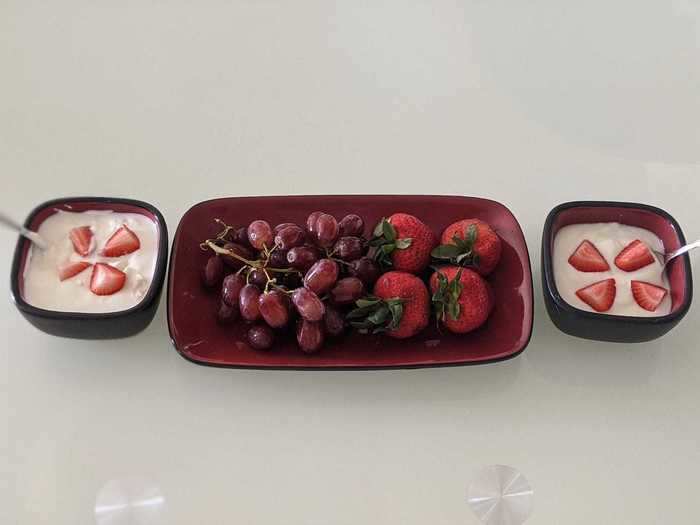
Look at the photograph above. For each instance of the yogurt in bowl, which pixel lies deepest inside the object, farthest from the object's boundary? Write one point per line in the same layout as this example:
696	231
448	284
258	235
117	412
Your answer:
97	261
610	268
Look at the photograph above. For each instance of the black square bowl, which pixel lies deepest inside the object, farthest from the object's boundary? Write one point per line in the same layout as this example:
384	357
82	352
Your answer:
616	328
109	325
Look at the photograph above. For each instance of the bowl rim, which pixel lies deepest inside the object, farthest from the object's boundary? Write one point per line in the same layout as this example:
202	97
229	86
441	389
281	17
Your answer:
144	304
331	368
551	287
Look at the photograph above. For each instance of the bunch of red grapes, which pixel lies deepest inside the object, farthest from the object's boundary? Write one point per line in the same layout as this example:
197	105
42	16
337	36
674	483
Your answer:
289	276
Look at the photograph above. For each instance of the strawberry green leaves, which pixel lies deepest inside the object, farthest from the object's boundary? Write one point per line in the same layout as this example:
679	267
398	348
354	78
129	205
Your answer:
384	241
374	315
461	252
446	297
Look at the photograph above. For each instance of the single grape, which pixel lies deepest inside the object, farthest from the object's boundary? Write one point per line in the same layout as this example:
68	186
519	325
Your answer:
365	269
258	277
307	303
309	336
248	302
260	234
261	337
302	257
226	314
282	226
273	308
231	288
321	276
278	259
240	236
290	237
326	230
348	248
351	226
241	251
213	271
333	322
347	290
311	222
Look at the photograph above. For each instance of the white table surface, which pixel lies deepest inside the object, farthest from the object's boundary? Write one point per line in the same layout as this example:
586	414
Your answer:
529	103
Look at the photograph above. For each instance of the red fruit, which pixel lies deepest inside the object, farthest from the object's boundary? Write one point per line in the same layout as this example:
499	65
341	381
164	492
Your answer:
327	230
226	313
213	271
334	322
121	242
273	309
308	304
106	279
647	295
310	336
461	297
351	226
347	290
321	276
600	296
470	242
81	238
587	258
260	234
240	250
72	269
634	256
311	222
400	308
261	337
403	243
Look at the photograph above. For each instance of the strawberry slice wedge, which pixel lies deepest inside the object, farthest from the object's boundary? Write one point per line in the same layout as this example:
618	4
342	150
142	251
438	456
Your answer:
121	242
634	256
647	295
81	238
600	296
72	269
106	279
587	258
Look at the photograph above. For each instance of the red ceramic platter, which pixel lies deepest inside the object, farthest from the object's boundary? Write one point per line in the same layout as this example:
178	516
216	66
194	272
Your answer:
192	309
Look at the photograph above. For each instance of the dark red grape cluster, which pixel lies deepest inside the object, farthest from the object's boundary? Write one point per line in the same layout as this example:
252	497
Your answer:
290	277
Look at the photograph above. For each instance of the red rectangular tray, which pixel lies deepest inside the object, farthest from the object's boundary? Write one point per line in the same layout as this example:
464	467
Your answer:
192	309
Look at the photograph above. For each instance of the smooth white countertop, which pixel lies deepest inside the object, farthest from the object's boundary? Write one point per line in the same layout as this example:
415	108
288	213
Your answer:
531	104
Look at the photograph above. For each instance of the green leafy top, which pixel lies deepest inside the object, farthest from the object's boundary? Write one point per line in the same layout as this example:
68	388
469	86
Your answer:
461	251
374	315
384	241
446	297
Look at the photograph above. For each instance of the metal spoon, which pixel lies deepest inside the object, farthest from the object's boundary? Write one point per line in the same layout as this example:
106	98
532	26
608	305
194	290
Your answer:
32	236
665	258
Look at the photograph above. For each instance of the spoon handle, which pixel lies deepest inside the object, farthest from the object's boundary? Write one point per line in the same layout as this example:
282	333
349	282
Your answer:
682	250
7	221
32	236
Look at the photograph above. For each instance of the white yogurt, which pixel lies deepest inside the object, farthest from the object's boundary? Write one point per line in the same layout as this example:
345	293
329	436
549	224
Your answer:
610	238
42	287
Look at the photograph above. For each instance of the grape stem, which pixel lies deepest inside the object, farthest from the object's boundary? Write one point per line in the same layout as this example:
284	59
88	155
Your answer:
223	251
253	264
340	261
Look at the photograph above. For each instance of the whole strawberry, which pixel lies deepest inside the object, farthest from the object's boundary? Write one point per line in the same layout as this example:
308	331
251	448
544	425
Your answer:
462	299
400	307
403	243
470	242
